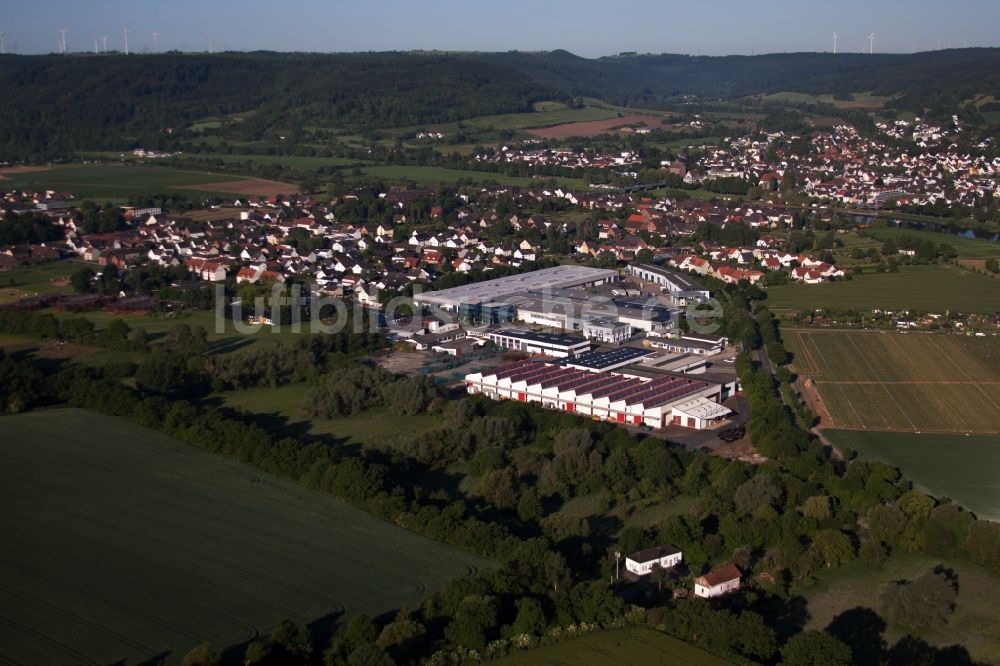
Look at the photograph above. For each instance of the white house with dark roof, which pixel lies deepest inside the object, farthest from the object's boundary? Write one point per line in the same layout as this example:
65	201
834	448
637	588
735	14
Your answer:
641	563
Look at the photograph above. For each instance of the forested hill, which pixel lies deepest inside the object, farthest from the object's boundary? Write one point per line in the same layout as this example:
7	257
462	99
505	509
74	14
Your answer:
921	78
53	105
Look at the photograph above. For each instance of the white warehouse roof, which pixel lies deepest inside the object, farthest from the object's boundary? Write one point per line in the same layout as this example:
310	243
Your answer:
701	408
547	278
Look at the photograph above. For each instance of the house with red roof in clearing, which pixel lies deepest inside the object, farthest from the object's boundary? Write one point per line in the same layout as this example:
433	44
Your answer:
719	581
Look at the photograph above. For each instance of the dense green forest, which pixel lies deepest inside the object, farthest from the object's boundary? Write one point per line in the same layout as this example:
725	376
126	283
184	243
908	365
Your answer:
55	105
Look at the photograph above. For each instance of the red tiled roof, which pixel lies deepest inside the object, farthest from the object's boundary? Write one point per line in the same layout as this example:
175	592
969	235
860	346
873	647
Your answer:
720	575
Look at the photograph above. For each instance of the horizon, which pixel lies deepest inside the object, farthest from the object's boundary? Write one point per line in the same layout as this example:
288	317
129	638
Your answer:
582	28
445	52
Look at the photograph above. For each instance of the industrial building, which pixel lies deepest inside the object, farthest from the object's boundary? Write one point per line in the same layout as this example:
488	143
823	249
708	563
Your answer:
702	344
681	288
494	291
547	344
655	401
563	297
574	309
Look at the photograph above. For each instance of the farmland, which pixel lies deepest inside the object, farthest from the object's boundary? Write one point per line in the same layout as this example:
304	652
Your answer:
594	127
935	288
121	182
424	175
966	469
623	646
892	381
545	115
123	544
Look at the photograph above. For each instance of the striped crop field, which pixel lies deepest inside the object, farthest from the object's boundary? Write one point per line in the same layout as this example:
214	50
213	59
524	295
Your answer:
916	382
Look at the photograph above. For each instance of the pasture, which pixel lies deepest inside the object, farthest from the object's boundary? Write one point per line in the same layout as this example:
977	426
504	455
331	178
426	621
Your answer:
913	382
972	625
966	469
47	278
967	248
123	545
282	409
621	646
121	182
933	288
862	100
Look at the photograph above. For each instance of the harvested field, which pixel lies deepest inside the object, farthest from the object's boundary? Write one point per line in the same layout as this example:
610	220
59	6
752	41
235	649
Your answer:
124	545
595	127
256	187
914	382
9	171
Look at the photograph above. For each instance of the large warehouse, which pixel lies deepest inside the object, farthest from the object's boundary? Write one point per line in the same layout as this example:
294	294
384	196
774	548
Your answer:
492	291
612	396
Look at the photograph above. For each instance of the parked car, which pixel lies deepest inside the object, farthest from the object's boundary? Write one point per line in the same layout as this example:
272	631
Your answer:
732	434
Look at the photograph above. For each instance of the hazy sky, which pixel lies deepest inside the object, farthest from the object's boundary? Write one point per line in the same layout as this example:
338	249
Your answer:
585	27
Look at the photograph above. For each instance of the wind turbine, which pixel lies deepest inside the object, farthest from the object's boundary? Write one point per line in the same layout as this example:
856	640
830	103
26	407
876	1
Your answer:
126	41
210	49
62	40
871	43
3	43
95	46
105	40
835	38
156	42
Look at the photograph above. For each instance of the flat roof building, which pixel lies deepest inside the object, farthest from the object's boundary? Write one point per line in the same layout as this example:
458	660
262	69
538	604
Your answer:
681	287
492	291
530	342
605	361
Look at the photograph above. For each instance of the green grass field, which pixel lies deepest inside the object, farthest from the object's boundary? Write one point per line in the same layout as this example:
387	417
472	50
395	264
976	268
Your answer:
46	278
121	544
424	175
292	161
973	623
117	182
374	428
966	469
540	118
915	382
621	646
967	248
861	100
934	288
